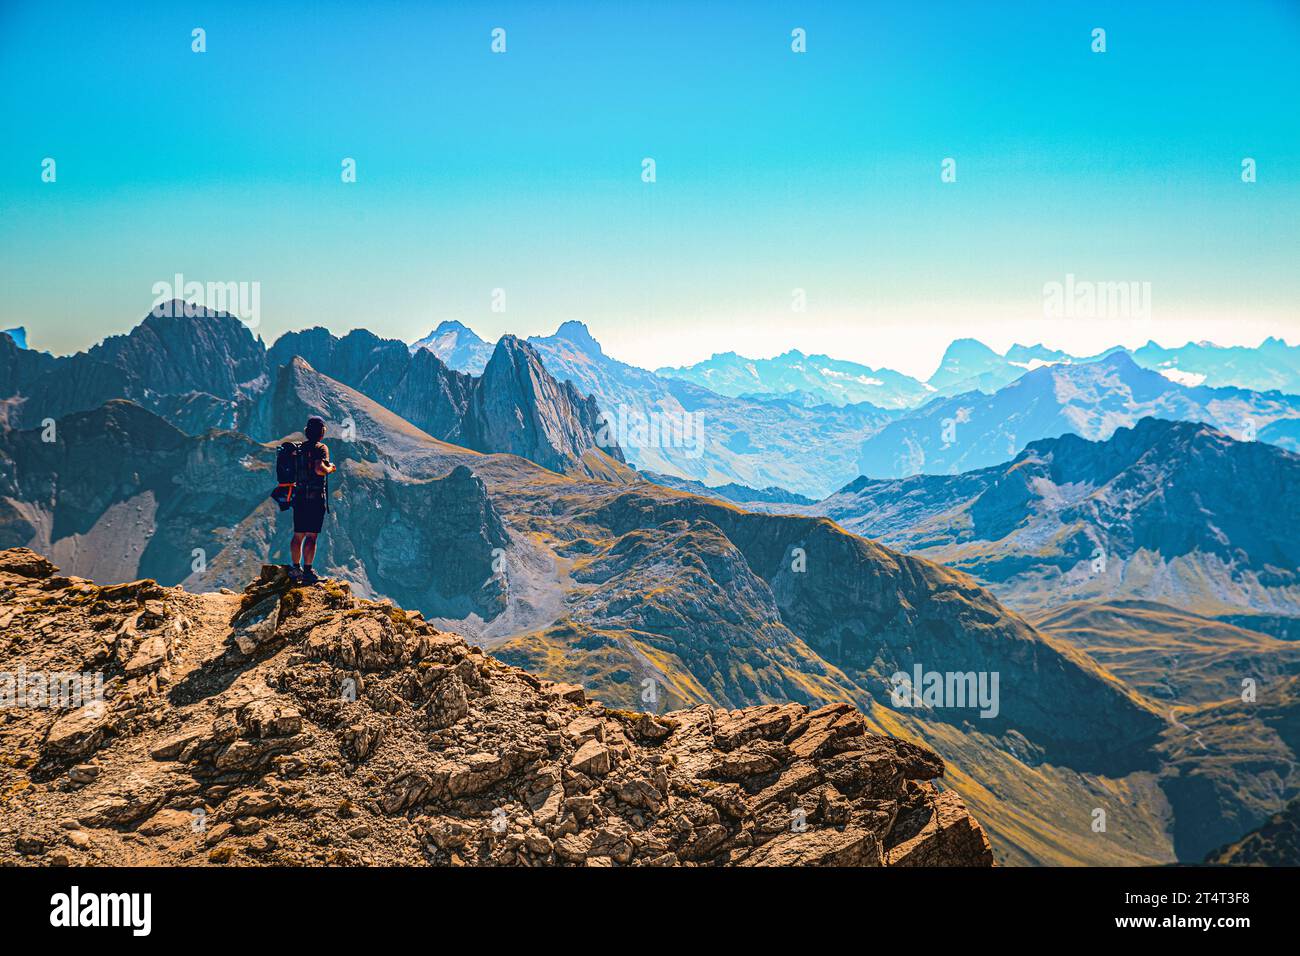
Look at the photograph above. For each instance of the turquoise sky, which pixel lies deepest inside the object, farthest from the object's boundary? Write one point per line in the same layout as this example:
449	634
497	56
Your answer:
775	170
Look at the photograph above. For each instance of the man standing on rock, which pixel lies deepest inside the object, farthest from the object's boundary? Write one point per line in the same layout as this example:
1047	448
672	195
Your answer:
310	500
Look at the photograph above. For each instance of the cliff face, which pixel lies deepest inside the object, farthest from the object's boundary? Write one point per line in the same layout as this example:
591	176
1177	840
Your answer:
515	406
206	351
519	408
302	726
202	369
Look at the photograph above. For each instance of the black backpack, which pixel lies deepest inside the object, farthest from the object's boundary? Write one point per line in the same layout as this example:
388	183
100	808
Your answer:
295	476
286	463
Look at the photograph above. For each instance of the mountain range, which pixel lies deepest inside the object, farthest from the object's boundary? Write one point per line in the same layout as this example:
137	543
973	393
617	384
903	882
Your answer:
810	424
625	582
976	429
819	377
568	574
969	365
497	505
685	430
1169	511
206	370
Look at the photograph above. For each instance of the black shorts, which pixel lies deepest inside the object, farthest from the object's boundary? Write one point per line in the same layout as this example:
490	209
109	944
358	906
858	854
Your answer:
308	515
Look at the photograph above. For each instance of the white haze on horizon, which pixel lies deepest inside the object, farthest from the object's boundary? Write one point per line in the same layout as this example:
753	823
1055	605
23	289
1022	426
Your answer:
907	340
915	347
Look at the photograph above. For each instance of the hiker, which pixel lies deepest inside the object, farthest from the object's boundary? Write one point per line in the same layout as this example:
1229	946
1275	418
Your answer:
309	499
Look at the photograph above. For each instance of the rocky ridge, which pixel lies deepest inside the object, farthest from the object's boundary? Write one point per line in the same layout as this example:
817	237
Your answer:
305	726
514	406
202	369
1178	512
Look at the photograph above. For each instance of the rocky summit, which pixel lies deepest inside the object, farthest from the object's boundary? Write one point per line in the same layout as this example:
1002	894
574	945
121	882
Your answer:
305	726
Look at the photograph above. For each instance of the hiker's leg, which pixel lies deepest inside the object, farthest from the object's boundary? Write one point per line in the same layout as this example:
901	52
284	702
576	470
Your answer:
308	549
295	546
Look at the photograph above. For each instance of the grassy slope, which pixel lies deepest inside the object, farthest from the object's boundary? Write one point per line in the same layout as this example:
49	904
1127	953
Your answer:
1168	653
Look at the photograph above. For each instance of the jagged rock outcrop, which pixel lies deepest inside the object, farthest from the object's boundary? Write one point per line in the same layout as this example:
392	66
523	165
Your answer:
435	398
187	348
209	357
203	369
303	726
518	407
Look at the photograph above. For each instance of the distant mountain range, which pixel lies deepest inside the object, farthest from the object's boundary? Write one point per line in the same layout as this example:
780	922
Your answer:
1168	511
740	494
679	428
821	378
809	424
206	370
968	365
676	428
977	429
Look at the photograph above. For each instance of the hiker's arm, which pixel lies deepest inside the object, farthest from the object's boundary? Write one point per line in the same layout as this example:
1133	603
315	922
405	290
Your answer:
325	466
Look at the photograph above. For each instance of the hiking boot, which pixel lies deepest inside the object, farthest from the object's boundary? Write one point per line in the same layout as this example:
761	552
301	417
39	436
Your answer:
308	576
295	574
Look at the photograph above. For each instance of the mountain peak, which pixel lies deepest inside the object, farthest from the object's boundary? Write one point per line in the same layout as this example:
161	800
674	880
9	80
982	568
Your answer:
457	345
1119	359
968	348
449	333
578	333
180	309
183	347
522	409
454	327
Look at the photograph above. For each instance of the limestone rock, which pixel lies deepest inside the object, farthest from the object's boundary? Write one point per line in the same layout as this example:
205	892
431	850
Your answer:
341	730
592	758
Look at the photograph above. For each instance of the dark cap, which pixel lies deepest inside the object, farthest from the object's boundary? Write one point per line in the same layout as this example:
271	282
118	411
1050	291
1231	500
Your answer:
315	428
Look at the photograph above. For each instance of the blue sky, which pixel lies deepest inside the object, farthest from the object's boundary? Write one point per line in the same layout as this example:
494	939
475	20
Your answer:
775	171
